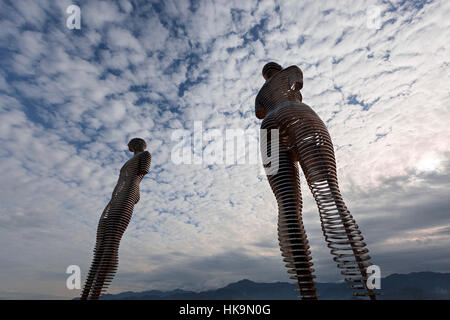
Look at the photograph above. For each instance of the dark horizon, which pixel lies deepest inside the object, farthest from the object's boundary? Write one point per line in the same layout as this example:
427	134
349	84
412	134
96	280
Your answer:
414	285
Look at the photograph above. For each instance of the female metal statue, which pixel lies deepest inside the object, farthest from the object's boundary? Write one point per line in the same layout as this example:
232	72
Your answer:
304	138
114	220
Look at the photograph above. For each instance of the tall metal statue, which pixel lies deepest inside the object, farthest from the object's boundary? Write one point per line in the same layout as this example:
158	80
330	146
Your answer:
114	220
304	138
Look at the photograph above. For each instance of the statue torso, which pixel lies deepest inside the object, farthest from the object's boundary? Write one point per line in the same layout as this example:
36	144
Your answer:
130	175
277	90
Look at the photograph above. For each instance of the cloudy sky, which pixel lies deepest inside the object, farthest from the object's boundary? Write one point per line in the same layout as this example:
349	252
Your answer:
70	100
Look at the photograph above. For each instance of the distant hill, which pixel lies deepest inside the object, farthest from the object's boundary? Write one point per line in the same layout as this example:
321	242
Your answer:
412	286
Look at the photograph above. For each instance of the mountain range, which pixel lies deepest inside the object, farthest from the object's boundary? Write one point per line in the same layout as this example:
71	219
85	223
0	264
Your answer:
412	286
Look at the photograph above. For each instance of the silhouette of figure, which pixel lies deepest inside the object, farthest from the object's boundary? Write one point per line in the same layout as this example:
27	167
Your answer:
114	220
304	138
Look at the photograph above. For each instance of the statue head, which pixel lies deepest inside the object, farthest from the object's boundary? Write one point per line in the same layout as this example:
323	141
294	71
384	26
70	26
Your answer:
137	145
270	69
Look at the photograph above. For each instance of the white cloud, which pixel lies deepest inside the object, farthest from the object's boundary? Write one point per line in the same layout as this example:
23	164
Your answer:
69	103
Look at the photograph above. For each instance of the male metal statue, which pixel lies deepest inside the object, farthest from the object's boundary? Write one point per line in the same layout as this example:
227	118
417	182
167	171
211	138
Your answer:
114	220
304	138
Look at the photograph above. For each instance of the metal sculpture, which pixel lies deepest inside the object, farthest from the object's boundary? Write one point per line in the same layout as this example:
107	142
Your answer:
304	138
114	220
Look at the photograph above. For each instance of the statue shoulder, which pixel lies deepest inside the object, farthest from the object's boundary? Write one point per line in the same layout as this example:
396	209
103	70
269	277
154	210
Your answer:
294	71
292	68
146	154
295	77
305	105
260	111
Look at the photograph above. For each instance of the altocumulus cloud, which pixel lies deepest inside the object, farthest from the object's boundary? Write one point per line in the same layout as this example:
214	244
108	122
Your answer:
71	99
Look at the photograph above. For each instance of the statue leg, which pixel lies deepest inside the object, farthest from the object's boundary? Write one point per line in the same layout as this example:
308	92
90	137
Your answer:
292	237
98	252
316	155
109	262
107	269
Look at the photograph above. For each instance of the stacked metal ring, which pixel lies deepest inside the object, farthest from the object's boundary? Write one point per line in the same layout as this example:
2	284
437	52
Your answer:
112	225
303	137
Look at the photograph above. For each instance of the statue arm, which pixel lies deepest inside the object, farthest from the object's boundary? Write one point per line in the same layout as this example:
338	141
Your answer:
114	192
295	78
106	210
260	111
144	162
